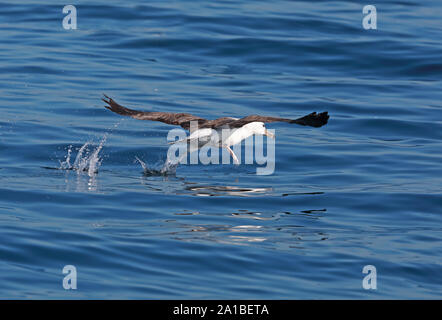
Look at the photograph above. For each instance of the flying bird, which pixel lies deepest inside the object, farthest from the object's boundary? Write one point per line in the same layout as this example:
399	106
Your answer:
210	131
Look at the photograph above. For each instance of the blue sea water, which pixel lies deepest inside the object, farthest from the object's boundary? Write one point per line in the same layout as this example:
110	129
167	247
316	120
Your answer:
366	189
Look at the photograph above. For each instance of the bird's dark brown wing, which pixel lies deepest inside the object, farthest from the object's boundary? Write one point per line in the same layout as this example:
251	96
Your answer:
313	120
184	119
180	119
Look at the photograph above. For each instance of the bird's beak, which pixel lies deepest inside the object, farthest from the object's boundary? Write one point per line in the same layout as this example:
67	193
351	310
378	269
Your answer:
269	134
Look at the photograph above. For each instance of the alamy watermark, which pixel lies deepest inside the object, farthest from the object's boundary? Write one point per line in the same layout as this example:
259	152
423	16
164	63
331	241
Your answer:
70	20
370	280
371	17
70	280
369	20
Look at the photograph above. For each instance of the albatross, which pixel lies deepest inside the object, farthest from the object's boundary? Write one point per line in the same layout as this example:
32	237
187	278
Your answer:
207	131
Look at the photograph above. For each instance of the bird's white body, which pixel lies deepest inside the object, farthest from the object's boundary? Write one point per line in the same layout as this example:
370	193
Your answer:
240	134
224	137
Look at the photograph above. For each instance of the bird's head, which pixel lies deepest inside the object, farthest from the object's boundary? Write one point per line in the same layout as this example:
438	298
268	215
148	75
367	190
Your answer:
259	128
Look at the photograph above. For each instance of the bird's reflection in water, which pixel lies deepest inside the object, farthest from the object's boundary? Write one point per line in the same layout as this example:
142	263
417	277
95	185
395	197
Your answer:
180	186
272	230
210	191
277	230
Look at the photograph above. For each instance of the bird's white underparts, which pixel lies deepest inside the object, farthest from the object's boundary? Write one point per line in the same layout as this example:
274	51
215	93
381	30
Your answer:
209	142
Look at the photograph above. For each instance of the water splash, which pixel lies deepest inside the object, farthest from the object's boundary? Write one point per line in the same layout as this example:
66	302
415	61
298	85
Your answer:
66	164
94	159
169	167
87	160
166	169
80	162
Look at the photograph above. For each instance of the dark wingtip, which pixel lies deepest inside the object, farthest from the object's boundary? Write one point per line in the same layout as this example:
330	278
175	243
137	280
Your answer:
105	97
313	119
108	101
321	119
115	107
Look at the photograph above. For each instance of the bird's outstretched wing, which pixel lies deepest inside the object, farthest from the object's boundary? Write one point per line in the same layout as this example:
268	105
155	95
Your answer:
313	120
184	119
180	119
